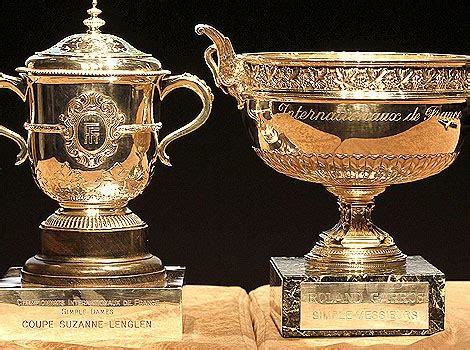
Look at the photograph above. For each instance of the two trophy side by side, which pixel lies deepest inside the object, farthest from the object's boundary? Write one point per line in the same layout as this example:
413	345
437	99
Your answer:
93	142
356	123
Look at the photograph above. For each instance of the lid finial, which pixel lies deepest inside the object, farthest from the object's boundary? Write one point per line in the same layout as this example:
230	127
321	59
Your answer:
94	22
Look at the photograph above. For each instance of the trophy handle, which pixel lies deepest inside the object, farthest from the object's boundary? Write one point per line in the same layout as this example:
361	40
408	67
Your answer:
225	65
193	83
16	85
214	67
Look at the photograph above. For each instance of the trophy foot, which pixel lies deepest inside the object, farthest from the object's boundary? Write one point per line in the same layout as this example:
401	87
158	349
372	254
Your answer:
355	244
94	248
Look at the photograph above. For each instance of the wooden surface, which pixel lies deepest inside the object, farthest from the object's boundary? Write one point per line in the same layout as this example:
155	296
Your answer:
214	318
227	318
456	335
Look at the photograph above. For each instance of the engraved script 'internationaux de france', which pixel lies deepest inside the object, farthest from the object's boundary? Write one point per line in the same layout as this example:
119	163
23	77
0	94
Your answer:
300	112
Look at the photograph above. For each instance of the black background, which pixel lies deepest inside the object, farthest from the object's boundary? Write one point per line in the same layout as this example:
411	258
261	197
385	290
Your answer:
219	210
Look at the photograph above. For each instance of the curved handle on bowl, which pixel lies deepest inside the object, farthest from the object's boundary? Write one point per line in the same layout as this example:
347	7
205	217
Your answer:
228	70
193	83
15	84
214	67
224	72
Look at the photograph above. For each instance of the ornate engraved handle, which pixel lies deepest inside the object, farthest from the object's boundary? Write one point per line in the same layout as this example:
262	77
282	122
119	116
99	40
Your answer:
224	63
16	85
191	82
214	66
224	70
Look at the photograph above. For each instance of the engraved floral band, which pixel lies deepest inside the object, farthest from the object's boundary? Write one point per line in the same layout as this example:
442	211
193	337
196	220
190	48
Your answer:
334	75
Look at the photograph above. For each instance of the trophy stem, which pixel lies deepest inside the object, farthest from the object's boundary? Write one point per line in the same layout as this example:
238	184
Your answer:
355	243
94	248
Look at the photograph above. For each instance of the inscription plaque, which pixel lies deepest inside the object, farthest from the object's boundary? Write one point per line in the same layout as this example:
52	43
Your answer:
364	305
91	314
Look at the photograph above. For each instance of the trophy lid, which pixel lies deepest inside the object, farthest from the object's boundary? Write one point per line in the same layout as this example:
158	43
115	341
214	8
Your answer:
92	54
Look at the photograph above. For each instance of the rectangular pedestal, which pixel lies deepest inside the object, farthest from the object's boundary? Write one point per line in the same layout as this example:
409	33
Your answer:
309	304
91	314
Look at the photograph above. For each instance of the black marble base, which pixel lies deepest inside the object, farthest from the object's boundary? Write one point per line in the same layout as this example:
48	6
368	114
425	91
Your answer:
310	304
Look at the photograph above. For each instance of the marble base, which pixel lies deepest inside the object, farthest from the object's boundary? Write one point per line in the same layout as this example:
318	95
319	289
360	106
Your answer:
310	304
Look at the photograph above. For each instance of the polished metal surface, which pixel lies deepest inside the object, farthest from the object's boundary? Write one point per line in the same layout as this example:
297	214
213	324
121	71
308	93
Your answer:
354	122
92	315
93	142
93	53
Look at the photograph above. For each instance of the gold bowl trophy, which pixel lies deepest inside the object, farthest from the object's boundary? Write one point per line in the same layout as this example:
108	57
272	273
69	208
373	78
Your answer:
355	123
93	143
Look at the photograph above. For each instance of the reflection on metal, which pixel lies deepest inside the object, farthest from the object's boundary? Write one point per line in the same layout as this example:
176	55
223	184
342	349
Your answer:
93	141
354	122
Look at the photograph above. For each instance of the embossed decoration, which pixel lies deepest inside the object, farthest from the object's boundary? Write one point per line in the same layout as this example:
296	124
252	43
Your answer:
91	123
119	183
336	75
81	44
357	169
327	79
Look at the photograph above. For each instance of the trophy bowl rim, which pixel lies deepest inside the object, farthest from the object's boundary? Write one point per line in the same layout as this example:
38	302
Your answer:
357	58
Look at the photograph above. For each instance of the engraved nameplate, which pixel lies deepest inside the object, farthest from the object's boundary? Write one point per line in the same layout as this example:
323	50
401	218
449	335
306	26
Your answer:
364	305
92	314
